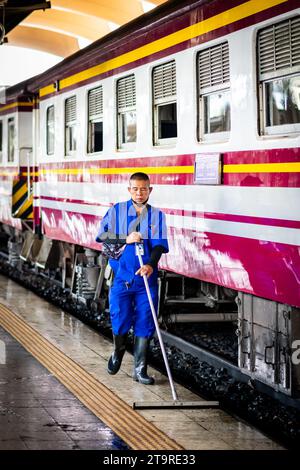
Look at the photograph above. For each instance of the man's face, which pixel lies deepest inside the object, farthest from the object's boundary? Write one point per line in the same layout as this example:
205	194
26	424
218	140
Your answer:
139	190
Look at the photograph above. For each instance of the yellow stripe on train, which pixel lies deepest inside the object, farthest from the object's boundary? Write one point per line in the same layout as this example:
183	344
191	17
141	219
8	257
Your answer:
284	167
291	167
203	27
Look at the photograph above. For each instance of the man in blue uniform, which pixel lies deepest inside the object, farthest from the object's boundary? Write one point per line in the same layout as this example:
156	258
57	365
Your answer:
125	225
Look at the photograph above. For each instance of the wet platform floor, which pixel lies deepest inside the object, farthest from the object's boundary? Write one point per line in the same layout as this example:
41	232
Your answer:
37	412
196	429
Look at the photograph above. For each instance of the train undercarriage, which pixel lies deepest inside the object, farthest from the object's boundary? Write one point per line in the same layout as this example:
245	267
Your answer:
267	333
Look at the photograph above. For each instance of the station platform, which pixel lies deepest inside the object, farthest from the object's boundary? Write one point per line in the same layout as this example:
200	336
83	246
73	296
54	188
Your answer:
37	412
75	357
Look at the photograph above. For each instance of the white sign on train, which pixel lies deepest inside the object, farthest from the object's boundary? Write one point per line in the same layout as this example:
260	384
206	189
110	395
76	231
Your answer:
207	168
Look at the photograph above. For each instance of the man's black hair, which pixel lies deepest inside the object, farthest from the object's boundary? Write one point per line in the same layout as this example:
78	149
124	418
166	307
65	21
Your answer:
139	176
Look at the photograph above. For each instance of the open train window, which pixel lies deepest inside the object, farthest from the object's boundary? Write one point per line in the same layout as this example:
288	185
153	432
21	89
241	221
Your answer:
214	93
11	140
126	104
279	77
95	120
70	125
50	137
164	103
1	141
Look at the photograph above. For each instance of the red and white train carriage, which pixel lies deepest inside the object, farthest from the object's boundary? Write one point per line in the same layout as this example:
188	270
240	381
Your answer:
204	96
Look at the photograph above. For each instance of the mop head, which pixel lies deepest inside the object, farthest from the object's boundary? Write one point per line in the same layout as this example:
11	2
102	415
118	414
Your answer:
174	404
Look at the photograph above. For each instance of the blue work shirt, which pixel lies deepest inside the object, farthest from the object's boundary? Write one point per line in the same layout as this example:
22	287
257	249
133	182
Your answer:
121	220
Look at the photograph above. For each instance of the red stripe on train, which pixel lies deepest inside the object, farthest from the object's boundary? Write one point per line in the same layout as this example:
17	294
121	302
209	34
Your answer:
268	269
279	179
196	214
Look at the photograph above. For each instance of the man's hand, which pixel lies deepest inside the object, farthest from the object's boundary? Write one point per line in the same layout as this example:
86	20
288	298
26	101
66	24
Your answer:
134	237
146	269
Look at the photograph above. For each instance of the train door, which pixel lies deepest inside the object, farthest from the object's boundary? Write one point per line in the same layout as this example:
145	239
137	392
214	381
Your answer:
29	211
21	128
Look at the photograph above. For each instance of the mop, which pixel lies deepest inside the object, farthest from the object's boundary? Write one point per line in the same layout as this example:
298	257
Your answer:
175	403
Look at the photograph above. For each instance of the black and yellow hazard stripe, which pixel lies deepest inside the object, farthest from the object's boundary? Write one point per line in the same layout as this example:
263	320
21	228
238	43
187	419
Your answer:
22	206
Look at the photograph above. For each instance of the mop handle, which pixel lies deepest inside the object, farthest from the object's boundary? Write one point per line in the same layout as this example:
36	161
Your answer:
174	395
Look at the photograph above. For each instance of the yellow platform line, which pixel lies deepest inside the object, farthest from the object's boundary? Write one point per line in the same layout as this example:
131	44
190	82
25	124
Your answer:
133	428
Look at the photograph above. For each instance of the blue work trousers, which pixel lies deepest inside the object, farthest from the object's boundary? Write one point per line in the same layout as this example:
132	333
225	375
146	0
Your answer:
129	306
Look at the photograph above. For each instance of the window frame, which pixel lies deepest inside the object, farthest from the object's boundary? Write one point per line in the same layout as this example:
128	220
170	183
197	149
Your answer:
122	111
263	79
10	121
210	90
94	118
211	136
70	125
280	129
47	130
159	102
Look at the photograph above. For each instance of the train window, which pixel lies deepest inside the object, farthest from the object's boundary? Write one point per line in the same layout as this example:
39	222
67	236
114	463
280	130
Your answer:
95	120
279	77
164	103
50	137
70	126
1	140
214	92
11	140
126	102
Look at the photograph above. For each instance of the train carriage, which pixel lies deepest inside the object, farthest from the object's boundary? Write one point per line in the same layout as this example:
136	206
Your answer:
204	97
16	157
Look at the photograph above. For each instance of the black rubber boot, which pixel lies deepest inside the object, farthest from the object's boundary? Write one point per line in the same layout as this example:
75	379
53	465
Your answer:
115	359
140	361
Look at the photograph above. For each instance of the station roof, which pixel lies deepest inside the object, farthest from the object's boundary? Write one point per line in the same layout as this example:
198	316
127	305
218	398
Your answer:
12	12
62	27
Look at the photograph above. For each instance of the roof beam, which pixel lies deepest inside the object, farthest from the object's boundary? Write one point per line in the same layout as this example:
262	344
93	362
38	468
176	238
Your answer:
56	30
116	11
68	23
21	7
156	2
46	41
17	10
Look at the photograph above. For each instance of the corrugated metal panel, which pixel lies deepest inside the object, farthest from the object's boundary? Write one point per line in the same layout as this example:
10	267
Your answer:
279	46
126	92
95	99
70	109
164	81
213	66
